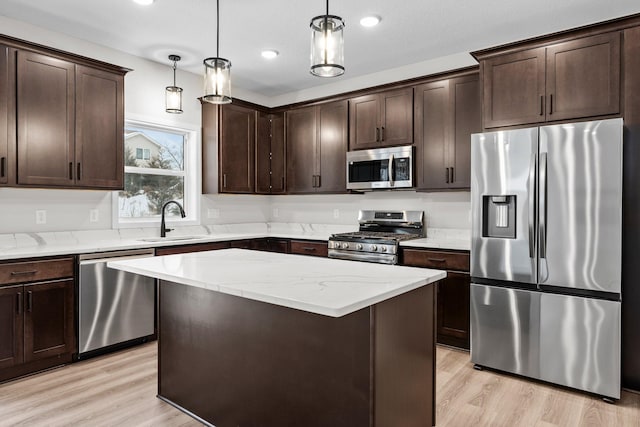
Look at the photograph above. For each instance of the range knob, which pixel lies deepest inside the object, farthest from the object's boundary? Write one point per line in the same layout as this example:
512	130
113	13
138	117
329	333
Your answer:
383	249
359	246
374	247
345	246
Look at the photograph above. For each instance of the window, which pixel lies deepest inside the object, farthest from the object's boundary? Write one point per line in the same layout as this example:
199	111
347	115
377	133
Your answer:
160	165
143	153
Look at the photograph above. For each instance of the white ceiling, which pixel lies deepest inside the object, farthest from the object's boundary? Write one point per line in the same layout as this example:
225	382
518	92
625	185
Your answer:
411	31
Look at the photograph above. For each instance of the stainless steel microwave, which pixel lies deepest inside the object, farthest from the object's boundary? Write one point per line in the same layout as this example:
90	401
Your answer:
380	168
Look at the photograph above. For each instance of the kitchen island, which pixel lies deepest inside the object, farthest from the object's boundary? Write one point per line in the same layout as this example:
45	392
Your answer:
252	338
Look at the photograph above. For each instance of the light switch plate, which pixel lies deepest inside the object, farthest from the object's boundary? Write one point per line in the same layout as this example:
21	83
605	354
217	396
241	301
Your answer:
93	215
336	213
275	212
213	213
41	217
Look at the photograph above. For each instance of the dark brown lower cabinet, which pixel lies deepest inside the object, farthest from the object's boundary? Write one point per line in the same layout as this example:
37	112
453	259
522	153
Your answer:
36	327
452	320
309	247
11	326
453	310
269	244
198	247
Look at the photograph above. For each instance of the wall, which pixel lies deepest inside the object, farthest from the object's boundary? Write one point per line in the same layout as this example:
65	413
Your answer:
442	210
144	101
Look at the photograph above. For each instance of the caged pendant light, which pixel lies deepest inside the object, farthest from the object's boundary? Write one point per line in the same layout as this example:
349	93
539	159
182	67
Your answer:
217	72
173	94
327	45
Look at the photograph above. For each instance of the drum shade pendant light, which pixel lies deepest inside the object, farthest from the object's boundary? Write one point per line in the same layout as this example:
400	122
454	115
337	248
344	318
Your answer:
217	72
173	94
327	45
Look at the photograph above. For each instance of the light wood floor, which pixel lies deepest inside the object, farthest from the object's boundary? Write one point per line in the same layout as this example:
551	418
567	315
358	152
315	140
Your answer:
119	390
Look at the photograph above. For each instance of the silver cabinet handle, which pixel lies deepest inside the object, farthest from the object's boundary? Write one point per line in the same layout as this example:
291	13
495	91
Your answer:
532	205
543	205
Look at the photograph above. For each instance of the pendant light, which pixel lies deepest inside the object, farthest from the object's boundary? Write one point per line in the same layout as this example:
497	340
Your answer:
327	45
217	72
173	94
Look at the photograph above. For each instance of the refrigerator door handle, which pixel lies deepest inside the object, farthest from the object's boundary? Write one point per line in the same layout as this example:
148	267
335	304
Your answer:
532	205
543	205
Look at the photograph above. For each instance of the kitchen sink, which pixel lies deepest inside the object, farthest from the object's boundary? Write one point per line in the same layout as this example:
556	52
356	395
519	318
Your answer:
172	239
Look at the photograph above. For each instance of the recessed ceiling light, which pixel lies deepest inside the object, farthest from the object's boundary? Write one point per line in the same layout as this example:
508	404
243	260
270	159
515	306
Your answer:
370	21
270	53
144	2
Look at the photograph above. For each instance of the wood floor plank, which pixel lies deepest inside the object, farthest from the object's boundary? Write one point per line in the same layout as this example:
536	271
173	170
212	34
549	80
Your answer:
120	389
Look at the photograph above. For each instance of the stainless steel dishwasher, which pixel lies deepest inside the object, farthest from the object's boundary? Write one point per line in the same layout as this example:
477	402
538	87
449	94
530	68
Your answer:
114	306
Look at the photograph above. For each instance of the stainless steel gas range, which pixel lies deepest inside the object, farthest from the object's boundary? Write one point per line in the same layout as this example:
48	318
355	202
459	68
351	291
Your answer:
378	237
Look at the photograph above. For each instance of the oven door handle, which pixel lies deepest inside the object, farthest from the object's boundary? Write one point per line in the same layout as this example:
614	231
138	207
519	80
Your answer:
391	171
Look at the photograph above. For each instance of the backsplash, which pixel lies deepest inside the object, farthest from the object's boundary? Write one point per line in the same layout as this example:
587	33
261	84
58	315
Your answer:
68	210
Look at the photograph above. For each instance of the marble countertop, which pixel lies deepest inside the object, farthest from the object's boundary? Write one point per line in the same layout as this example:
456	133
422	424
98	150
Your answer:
323	286
26	245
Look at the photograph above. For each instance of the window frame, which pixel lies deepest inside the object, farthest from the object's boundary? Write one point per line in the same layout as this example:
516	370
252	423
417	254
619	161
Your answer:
192	178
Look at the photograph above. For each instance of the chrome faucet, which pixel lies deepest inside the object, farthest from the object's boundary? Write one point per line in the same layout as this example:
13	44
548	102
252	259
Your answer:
163	228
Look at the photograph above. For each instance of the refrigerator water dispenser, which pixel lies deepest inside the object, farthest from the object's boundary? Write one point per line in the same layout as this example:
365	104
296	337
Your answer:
499	216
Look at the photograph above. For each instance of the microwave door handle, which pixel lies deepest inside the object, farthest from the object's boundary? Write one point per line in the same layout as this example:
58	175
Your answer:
391	171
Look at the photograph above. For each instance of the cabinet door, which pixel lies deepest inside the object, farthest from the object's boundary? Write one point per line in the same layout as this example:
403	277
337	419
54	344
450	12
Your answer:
278	147
5	99
396	117
583	77
465	92
210	163
301	148
270	154
364	123
433	128
99	145
332	156
11	326
514	88
263	154
237	145
453	310
48	320
45	115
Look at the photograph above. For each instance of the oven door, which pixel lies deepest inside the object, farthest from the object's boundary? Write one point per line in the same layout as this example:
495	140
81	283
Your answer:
380	168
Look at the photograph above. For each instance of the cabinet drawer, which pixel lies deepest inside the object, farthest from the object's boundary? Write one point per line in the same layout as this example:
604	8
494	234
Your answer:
32	271
309	248
436	259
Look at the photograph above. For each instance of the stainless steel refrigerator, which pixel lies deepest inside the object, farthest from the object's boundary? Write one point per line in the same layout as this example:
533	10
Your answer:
546	253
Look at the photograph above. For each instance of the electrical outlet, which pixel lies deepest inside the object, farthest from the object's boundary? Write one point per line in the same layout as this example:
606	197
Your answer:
93	215
336	213
213	213
275	212
41	217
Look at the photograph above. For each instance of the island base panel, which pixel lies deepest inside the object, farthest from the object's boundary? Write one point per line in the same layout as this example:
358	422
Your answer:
237	362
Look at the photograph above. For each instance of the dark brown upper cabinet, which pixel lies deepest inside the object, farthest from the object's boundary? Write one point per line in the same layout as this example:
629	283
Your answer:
381	119
46	119
237	143
568	80
270	154
447	112
99	128
583	77
70	123
7	119
316	139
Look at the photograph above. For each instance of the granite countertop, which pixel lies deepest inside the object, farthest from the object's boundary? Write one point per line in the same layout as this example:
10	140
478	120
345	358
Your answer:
26	245
323	286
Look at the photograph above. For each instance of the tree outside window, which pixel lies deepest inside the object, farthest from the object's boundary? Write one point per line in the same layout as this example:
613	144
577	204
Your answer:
154	172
